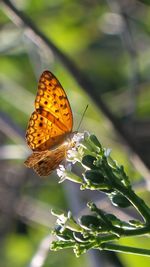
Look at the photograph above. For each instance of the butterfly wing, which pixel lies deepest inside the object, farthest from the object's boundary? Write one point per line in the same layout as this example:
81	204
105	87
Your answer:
52	120
43	133
52	98
51	160
35	157
49	125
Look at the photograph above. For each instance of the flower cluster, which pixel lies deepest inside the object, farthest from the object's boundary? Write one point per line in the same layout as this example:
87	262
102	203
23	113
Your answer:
80	236
99	169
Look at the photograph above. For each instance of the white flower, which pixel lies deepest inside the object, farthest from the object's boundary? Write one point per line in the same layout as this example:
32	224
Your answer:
73	154
77	138
67	174
61	171
107	152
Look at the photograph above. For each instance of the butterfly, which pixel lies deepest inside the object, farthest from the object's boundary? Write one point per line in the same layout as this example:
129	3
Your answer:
50	126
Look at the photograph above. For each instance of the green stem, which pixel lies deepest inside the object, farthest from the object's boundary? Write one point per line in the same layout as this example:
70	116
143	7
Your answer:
119	231
136	201
125	249
132	232
106	238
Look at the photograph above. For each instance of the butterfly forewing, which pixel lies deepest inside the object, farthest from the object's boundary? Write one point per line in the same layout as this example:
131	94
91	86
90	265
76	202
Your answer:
43	133
52	98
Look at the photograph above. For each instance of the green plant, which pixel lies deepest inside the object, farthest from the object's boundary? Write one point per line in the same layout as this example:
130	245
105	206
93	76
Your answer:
99	230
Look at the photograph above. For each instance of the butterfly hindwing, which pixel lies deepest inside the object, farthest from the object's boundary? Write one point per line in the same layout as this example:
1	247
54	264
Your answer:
35	157
48	164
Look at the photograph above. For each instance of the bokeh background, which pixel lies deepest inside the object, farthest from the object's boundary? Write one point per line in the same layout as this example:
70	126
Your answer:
100	52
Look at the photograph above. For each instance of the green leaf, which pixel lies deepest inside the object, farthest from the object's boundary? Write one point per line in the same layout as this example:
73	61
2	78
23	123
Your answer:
80	238
94	139
94	176
119	200
91	222
66	235
88	161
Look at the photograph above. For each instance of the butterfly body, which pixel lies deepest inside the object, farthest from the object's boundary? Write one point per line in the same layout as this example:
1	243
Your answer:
49	126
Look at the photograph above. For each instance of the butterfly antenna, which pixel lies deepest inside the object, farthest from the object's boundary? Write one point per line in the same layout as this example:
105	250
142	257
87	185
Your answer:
82	118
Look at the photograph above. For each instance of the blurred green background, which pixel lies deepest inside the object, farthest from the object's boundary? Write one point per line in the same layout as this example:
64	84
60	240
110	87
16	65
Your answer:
109	41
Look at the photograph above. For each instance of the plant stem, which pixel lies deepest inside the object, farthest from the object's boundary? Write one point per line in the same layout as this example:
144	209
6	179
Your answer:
136	201
133	232
125	249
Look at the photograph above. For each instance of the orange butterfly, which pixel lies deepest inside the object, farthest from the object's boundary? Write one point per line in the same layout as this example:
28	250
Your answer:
49	126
